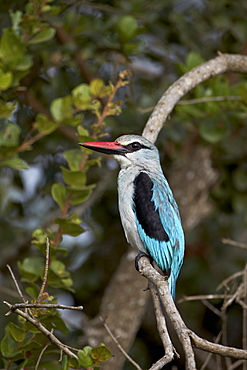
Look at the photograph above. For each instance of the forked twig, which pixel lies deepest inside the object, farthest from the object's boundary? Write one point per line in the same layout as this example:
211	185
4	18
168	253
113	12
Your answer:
43	330
16	306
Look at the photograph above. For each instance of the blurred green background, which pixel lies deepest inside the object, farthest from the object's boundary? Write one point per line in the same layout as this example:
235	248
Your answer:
157	41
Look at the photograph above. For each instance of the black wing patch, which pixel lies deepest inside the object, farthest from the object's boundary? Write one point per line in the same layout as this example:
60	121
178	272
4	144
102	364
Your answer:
145	210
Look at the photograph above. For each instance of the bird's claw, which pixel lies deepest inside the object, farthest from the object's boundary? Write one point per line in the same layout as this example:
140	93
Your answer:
141	254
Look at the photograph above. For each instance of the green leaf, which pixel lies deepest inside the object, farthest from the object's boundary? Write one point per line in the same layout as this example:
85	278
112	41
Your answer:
193	59
96	86
58	277
127	26
68	227
43	35
44	125
14	162
31	268
81	96
30	345
80	195
24	63
83	135
15	331
11	46
58	192
65	363
214	131
76	179
73	362
30	328
33	290
9	347
101	354
82	131
74	158
5	79
6	109
85	358
9	134
61	108
59	324
16	18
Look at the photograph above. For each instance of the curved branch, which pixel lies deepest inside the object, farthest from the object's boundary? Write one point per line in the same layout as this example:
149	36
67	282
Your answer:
211	68
186	336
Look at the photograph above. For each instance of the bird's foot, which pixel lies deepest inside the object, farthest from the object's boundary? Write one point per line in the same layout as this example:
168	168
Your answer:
141	254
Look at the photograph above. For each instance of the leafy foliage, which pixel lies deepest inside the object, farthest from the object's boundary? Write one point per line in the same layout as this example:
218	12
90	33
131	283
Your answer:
62	82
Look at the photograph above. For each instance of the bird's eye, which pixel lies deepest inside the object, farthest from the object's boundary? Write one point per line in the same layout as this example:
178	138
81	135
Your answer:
134	146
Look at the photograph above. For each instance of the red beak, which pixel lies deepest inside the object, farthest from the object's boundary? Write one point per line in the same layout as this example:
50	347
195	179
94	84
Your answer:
106	147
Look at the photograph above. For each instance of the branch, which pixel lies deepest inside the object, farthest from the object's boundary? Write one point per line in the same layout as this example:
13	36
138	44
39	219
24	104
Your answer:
161	284
16	306
221	64
43	330
186	336
162	328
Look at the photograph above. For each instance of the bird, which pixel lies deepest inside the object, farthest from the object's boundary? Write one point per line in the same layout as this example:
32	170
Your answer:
148	211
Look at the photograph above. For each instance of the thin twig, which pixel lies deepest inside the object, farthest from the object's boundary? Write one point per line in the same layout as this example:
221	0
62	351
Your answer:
119	345
209	99
42	289
233	298
202	297
43	330
234	243
205	99
16	283
212	308
41	305
211	354
224	283
236	364
42	352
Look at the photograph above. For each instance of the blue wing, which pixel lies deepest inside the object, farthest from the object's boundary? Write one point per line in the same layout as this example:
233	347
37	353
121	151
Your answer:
159	224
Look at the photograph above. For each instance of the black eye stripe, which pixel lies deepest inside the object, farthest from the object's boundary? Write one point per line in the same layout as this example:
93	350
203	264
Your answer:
133	147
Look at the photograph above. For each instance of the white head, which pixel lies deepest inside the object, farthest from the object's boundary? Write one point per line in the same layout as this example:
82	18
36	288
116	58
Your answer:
129	150
138	152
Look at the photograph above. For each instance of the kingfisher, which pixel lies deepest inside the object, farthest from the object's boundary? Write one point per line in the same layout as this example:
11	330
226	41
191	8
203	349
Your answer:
148	210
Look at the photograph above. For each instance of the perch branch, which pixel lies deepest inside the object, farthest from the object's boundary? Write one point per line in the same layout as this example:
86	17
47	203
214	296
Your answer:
186	336
162	328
